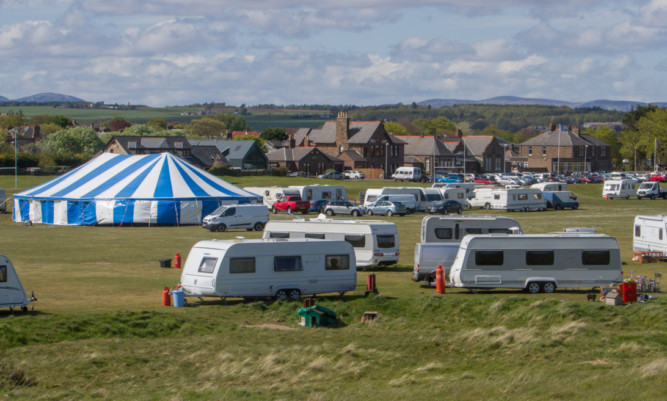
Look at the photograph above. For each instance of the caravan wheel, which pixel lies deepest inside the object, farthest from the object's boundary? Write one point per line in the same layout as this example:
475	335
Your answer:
487	206
281	295
294	295
548	287
533	287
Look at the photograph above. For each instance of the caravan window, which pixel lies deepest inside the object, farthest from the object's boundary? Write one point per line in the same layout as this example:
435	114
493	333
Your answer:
540	258
278	235
357	241
537	196
444	233
314	235
499	231
660	234
207	264
473	230
287	263
489	258
337	262
595	257
523	197
386	241
433	197
496	196
3	274
241	265
638	231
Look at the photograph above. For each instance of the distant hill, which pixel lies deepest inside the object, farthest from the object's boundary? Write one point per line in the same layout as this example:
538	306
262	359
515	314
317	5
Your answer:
48	98
618	105
3	99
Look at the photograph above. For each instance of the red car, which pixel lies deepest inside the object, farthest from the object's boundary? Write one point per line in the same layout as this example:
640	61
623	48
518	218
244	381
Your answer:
485	181
657	177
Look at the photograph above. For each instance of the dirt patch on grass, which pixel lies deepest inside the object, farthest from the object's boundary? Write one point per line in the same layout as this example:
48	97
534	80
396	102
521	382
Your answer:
271	326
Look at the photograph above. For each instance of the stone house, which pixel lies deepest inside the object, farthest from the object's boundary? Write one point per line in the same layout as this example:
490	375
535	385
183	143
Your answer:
310	160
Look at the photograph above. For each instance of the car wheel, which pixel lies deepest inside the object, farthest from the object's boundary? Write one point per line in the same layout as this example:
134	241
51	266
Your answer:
652	197
370	213
273	209
330	212
460	211
548	287
222	228
487	206
281	295
289	210
533	287
575	207
258	226
294	295
355	213
389	213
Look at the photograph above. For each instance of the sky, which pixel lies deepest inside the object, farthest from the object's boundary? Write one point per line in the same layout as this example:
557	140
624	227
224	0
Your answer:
344	52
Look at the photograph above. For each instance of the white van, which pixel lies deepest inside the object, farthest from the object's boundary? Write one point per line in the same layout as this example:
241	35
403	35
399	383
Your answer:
250	217
12	293
624	188
407	174
375	242
650	234
421	196
284	269
376	194
537	262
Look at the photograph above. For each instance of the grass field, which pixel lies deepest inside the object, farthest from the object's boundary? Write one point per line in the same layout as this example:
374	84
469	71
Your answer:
99	331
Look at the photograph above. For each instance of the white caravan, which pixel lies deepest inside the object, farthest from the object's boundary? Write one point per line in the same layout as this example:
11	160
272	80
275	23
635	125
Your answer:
457	194
424	198
469	187
12	293
312	193
509	199
441	236
270	195
619	189
375	242
537	262
407	174
375	194
650	234
284	269
550	186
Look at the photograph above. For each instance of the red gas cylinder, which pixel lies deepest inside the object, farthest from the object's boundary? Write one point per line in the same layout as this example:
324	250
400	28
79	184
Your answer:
440	280
177	261
166	299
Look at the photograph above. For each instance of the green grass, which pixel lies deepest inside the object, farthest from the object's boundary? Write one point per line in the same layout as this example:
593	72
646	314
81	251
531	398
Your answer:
99	330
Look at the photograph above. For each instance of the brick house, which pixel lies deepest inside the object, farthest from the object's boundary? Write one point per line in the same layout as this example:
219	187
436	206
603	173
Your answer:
422	151
559	149
483	153
360	144
309	159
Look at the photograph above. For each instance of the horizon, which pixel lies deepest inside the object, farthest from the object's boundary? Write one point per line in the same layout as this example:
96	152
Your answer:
361	53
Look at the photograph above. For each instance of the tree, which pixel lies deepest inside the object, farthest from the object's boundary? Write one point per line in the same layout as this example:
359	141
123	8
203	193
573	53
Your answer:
157	123
274	133
438	126
206	128
633	116
233	122
395	128
118	124
147	130
12	120
653	129
49	128
610	137
72	141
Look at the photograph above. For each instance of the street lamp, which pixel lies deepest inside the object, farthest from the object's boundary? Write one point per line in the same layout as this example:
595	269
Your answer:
386	159
635	159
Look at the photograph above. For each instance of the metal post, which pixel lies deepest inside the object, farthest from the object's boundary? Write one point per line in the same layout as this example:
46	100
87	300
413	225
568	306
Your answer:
16	165
386	159
635	159
464	156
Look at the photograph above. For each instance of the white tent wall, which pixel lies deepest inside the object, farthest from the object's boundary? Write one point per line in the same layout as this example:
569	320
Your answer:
191	212
104	211
60	213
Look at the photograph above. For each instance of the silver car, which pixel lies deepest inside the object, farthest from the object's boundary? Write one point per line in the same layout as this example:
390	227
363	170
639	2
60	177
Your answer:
343	207
386	207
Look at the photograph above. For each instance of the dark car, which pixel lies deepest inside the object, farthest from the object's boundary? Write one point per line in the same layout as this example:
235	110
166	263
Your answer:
298	174
331	175
446	207
318	205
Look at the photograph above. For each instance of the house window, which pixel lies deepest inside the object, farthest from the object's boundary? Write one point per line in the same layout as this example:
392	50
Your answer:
603	151
544	150
207	265
241	265
337	262
427	164
530	150
287	263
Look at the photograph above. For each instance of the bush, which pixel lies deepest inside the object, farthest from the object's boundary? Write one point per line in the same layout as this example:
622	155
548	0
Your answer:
279	171
224	170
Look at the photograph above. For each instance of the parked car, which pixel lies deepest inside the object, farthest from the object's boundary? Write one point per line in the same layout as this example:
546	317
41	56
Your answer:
452	178
343	207
331	175
386	207
297	174
318	205
446	207
657	177
354	175
485	180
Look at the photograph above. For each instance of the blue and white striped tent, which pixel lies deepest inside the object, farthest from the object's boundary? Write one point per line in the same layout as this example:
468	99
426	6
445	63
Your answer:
122	189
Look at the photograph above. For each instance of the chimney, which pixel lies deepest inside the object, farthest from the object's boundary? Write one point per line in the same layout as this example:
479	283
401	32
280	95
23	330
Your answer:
306	141
342	130
552	126
292	142
229	135
575	130
459	133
